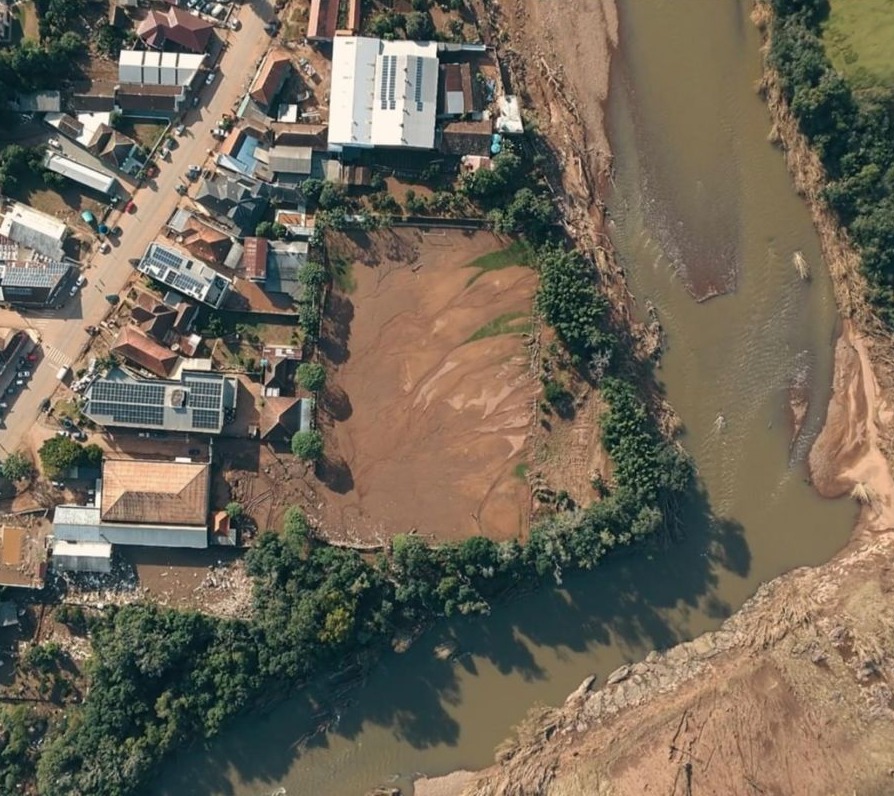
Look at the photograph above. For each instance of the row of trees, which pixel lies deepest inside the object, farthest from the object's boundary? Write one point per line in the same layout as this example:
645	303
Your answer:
853	133
59	454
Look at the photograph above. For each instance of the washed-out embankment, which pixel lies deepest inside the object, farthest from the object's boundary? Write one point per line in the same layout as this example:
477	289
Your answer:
795	692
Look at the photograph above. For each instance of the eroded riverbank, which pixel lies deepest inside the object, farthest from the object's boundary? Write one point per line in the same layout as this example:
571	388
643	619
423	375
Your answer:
733	356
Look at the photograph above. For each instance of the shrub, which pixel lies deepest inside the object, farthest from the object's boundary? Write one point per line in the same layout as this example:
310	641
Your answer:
311	376
308	445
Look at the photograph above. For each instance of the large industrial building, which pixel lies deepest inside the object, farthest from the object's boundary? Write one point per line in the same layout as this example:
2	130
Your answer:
94	179
35	284
148	503
196	403
384	93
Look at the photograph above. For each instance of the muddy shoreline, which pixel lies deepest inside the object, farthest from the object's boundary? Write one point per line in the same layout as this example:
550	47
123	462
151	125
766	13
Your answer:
852	454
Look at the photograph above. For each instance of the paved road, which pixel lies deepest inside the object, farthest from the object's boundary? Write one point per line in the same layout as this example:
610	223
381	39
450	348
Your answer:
63	331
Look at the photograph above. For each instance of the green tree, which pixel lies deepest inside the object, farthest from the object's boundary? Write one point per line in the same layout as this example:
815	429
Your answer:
92	455
17	467
234	510
419	26
264	229
311	376
308	445
58	454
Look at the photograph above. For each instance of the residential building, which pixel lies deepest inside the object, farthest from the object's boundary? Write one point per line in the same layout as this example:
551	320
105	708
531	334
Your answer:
325	20
456	91
89	177
177	270
148	68
297	222
142	502
254	259
270	78
150	102
467	138
196	402
312	135
281	417
35	284
236	201
175	29
199	238
93	131
162	322
138	349
278	365
37	102
22	557
384	93
286	163
34	230
285	259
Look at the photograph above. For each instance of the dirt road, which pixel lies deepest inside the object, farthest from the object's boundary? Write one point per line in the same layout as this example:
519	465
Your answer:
63	332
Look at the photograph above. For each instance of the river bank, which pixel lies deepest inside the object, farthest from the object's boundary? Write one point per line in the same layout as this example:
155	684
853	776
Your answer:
794	693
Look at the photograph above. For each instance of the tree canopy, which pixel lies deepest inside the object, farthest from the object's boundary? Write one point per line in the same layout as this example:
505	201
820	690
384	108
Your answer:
58	454
17	466
308	445
311	376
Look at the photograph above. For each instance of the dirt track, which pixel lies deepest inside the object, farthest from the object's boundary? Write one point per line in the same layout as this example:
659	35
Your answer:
425	428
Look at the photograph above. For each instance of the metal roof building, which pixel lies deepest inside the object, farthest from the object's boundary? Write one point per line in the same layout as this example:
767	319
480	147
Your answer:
34	230
153	68
35	284
139	502
190	277
195	403
384	93
78	172
82	556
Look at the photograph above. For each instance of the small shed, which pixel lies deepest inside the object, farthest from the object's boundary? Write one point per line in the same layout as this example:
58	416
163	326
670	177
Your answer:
82	557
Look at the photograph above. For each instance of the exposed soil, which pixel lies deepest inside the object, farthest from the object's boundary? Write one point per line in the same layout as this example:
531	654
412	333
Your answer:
425	427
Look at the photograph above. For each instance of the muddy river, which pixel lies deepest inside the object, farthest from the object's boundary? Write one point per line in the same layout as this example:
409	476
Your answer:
702	204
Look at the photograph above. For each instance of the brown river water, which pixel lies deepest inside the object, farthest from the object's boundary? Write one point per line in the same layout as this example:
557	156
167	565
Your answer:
702	203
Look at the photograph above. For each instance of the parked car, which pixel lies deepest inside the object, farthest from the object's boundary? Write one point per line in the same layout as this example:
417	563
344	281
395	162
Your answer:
181	188
73	291
130	207
54	143
233	24
20	382
4	405
58	484
104	247
180	129
32	357
80	281
210	79
45	405
61	433
25	374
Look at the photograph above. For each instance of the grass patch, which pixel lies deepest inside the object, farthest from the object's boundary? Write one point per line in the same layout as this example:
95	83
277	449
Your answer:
144	133
508	323
516	254
343	275
859	37
521	470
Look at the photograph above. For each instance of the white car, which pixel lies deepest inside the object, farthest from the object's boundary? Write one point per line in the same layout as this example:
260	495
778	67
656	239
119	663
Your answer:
81	280
73	291
210	79
54	143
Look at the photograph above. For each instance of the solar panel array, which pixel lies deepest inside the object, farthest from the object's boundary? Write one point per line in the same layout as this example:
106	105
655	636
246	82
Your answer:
204	418
389	82
165	257
419	84
145	404
128	402
187	284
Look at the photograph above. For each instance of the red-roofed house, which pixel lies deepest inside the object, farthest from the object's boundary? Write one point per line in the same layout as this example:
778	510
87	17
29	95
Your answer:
177	27
254	259
270	78
136	347
324	19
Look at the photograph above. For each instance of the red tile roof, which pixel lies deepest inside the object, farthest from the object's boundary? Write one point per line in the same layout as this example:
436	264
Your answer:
135	346
254	259
177	27
270	77
323	22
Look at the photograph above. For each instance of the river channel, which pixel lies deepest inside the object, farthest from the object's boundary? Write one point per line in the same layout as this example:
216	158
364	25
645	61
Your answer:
702	203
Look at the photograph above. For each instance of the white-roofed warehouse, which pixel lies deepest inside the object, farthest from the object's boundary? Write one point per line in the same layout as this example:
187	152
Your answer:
92	178
384	93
